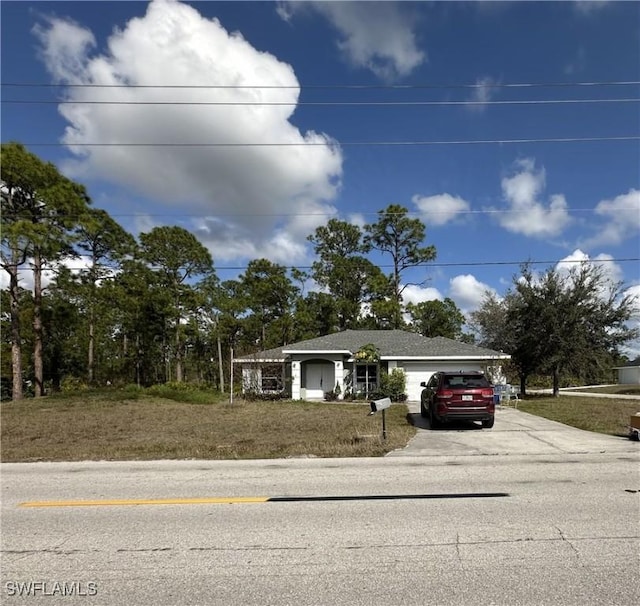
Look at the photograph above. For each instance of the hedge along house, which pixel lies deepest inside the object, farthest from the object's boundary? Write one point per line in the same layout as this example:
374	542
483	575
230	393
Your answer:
352	363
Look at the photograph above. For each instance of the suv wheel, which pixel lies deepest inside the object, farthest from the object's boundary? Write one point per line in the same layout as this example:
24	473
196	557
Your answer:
433	422
488	423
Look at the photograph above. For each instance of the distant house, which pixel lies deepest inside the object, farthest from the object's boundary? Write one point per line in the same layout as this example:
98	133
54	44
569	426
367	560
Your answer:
629	374
353	361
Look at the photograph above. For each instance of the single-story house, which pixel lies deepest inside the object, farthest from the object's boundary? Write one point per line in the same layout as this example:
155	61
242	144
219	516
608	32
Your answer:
352	362
629	373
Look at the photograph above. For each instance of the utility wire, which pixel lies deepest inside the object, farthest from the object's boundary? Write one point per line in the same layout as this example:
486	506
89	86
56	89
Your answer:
426	265
331	143
216	215
324	103
331	86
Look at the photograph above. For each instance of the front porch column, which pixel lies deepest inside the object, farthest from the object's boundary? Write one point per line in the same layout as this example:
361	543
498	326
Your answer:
339	374
296	382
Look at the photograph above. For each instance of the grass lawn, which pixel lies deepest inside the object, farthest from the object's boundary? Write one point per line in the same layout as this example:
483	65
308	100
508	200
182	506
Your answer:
121	425
630	390
603	415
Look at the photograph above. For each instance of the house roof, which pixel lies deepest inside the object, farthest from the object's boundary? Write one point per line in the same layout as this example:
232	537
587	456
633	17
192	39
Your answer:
392	344
631	364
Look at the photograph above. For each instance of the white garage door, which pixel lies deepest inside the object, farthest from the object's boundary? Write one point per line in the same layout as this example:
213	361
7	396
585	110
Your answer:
417	372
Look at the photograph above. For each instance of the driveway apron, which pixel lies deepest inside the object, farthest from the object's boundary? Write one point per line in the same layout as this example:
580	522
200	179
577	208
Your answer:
515	433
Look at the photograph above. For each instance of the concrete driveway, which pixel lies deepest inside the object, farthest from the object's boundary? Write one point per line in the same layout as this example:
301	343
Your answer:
514	433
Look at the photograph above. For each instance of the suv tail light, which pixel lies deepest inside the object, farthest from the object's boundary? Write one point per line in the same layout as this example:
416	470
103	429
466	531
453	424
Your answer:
487	393
445	394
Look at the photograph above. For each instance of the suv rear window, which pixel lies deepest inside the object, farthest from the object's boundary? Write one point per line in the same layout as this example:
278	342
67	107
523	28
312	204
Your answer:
462	381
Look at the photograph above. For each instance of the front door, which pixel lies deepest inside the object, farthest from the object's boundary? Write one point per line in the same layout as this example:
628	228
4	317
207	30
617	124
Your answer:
320	378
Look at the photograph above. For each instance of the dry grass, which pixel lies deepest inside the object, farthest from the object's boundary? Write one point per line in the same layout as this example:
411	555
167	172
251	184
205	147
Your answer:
121	426
603	415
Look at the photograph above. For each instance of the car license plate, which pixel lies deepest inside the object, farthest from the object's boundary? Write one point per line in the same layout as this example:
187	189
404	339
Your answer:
467	397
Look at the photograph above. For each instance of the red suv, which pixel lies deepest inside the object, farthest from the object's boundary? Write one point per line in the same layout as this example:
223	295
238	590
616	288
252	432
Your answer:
458	395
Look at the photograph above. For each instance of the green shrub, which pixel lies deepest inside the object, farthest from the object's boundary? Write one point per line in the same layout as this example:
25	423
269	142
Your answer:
258	396
72	385
393	385
184	392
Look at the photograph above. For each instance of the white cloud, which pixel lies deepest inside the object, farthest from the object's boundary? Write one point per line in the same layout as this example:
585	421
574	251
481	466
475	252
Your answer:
483	92
526	213
578	64
417	294
622	216
25	273
249	190
357	219
612	271
378	36
67	48
588	7
440	209
632	348
468	292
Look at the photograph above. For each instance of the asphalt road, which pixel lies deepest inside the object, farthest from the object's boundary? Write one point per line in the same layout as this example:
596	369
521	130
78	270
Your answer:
519	514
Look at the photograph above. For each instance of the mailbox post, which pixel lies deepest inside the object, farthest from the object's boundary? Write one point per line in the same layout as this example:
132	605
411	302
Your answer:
381	405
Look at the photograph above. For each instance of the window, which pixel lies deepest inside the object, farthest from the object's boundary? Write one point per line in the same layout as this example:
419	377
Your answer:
366	377
271	380
463	381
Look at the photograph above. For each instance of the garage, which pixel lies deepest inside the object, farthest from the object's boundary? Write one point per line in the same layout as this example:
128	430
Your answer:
418	372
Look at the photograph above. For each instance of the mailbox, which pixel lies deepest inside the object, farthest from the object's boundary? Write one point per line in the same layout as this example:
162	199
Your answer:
382	405
377	405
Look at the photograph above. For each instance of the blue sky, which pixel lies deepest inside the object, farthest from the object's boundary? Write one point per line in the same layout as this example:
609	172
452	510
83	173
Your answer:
486	206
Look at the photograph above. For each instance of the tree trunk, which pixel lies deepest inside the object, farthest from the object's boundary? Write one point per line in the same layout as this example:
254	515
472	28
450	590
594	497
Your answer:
138	382
91	345
38	373
16	341
556	382
220	365
178	354
523	385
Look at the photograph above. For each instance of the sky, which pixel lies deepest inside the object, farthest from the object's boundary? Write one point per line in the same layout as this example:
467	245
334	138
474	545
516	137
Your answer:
511	129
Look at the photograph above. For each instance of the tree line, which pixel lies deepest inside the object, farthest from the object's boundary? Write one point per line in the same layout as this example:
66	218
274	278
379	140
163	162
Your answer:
152	309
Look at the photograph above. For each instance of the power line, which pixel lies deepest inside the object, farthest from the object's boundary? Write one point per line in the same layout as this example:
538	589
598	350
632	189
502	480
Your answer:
216	215
425	265
324	103
329	143
331	86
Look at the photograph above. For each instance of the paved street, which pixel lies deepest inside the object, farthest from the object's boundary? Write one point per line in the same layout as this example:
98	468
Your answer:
525	513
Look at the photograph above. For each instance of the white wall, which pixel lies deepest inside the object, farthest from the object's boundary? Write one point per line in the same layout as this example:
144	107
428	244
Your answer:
629	375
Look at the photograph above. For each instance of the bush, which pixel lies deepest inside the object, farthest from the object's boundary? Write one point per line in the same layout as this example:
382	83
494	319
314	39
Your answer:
253	396
183	392
393	385
72	385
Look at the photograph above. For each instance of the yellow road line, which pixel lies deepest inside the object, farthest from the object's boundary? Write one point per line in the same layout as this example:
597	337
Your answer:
121	502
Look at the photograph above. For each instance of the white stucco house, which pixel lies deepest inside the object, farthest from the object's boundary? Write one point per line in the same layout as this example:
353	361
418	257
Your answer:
341	362
629	374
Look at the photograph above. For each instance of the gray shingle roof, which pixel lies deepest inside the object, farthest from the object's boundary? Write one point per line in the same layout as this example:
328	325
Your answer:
390	343
631	364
